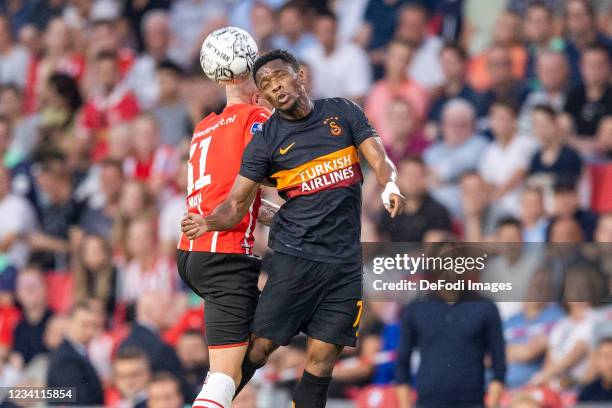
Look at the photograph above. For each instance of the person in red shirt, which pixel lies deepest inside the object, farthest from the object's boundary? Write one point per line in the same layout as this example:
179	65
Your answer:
110	105
220	266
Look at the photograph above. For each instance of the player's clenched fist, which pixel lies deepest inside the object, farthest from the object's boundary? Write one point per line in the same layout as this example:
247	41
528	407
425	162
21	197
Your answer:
193	225
392	199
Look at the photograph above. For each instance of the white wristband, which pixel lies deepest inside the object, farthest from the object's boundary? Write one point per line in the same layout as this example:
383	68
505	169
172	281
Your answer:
390	188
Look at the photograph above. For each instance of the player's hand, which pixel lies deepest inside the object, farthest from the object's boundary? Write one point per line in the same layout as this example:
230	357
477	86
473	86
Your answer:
396	205
193	225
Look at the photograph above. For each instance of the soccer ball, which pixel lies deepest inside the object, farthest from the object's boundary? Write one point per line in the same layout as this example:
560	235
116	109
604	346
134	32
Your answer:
228	54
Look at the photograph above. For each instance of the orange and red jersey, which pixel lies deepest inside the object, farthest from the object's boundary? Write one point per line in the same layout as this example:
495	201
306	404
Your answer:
214	161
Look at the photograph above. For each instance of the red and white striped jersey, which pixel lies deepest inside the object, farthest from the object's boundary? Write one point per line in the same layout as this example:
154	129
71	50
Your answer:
214	161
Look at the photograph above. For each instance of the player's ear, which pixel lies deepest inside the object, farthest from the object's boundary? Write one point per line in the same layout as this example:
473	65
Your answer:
256	98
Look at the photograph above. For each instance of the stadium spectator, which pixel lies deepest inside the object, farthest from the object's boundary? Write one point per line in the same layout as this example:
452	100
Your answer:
565	230
533	218
31	293
14	59
477	331
95	276
480	19
506	35
504	85
106	38
554	160
192	351
566	205
171	213
18	220
453	60
604	139
131	375
581	33
135	201
552	75
527	332
396	82
600	390
171	112
151	317
477	216
146	269
70	365
587	104
422	212
411	27
330	60
539	32
406	137
457	153
293	35
505	162
164	392
571	338
142	78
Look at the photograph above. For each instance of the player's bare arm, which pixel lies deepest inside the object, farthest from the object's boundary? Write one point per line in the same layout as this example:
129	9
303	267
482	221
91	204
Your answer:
227	214
386	174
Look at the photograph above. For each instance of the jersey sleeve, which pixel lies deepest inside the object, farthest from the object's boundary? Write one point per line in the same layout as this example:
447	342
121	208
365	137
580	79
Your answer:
255	123
256	163
359	123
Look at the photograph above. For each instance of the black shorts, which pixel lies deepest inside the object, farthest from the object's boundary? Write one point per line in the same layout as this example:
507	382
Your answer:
320	299
228	284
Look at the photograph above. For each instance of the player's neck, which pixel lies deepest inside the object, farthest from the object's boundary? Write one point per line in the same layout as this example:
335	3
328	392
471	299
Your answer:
302	108
236	94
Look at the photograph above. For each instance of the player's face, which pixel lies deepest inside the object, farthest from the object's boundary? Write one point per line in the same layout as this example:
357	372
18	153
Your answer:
280	85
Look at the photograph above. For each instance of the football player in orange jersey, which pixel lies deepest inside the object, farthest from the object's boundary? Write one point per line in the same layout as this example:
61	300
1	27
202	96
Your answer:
220	266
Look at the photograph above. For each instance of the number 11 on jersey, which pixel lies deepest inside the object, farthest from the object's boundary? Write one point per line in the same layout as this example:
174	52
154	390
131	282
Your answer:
197	166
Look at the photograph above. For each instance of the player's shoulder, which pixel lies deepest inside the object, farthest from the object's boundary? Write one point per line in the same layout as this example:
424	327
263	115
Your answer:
339	103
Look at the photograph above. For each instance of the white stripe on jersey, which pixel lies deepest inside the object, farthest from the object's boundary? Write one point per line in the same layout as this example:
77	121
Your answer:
213	244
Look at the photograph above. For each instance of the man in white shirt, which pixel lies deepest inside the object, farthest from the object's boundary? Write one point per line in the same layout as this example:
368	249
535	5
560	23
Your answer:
338	69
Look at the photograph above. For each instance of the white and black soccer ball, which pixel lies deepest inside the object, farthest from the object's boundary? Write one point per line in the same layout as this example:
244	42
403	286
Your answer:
228	55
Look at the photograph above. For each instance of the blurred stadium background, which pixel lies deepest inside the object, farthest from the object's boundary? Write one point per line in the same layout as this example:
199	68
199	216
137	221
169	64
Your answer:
98	99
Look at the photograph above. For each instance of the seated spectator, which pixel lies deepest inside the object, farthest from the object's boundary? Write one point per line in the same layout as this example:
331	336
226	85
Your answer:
504	85
31	293
600	390
554	160
422	212
263	24
505	162
164	392
483	68
604	139
412	22
171	112
457	153
14	59
143	79
105	36
395	82
146	269
131	375
479	20
293	35
23	127
70	365
111	104
588	104
151	161
406	137
566	205
135	202
192	350
552	74
527	332
151	317
331	60
539	33
532	215
18	220
171	213
477	217
453	60
570	341
581	33
95	276
565	230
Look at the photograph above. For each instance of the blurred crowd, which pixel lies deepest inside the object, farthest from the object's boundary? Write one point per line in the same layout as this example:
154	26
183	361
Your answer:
498	114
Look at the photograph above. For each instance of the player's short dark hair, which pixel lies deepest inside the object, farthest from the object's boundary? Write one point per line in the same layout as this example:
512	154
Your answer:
456	48
545	109
508	221
505	104
282	55
168	65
